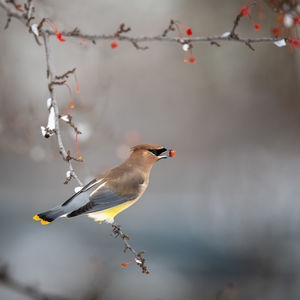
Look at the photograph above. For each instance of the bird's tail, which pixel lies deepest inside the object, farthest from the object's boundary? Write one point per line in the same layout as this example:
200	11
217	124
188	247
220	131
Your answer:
50	215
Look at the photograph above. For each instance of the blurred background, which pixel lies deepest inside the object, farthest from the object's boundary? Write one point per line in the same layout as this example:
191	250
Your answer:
224	214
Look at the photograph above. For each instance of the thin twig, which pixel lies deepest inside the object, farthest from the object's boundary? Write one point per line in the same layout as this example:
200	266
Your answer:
215	43
29	9
65	75
235	25
169	28
138	47
72	124
139	258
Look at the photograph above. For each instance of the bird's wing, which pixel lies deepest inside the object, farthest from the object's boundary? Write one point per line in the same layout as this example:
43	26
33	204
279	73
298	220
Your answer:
84	189
111	193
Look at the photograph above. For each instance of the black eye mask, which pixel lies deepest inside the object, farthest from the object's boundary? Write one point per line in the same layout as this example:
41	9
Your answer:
157	152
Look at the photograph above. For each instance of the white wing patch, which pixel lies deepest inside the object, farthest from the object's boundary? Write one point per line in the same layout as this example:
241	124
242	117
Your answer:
98	181
98	188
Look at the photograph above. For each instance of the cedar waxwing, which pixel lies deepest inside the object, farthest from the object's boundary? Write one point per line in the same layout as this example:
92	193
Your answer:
113	191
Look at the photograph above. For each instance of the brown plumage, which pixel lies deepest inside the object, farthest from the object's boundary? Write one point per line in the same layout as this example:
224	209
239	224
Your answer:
114	190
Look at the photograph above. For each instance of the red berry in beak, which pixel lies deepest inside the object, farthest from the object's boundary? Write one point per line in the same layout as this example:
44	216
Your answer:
172	153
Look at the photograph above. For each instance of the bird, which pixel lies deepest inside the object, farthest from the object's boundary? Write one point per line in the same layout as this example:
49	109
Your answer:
113	191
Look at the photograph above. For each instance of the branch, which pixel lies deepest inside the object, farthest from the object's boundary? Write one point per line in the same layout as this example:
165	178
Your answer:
13	13
236	23
169	28
51	77
30	9
158	38
139	258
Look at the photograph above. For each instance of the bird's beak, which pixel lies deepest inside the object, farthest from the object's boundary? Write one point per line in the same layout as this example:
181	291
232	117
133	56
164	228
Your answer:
168	153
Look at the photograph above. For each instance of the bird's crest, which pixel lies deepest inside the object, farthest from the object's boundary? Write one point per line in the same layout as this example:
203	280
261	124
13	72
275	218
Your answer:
145	147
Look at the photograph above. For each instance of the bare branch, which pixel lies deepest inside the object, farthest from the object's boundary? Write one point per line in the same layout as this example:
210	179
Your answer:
138	47
52	83
135	40
29	7
180	40
215	43
169	28
65	75
139	258
235	25
72	124
13	12
50	76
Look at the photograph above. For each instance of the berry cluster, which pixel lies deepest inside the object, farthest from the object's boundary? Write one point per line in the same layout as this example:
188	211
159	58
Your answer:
246	12
186	47
287	21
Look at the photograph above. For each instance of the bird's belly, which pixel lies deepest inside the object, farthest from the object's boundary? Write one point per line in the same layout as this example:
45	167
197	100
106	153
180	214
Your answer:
109	214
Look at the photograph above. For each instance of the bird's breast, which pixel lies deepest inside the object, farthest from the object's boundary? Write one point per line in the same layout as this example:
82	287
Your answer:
143	186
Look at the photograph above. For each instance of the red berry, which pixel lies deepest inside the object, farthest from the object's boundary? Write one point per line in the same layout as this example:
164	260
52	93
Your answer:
189	31
59	37
192	59
245	11
257	26
172	153
295	43
276	31
297	20
114	45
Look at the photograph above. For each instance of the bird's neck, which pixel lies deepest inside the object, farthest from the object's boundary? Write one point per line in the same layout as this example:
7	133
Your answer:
143	162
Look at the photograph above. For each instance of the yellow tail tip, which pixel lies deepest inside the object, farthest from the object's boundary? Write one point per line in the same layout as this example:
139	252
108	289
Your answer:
37	218
43	222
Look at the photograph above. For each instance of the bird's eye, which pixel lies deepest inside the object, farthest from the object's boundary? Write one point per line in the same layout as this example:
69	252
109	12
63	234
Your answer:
157	152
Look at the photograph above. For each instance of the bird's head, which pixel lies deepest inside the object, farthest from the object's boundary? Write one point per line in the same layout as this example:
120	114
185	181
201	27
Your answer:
150	153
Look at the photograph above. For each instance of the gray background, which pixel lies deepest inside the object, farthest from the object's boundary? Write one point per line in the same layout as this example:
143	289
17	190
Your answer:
226	209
